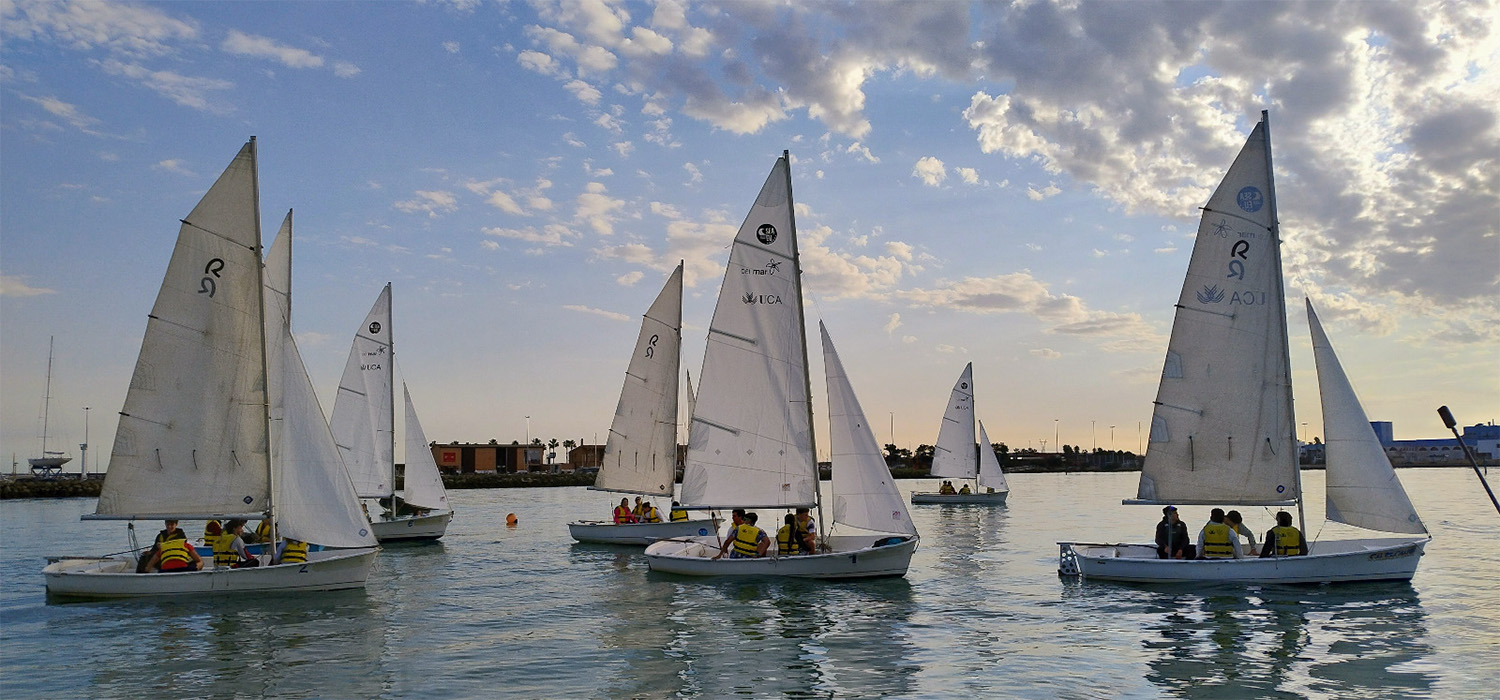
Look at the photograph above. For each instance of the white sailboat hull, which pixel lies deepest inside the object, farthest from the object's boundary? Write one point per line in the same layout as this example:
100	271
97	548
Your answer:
851	558
412	528
602	532
977	499
1390	559
48	462
115	577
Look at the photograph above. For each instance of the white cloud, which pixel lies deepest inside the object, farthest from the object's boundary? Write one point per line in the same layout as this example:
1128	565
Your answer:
613	316
630	278
862	151
1037	195
892	324
585	93
597	209
930	171
451	47
16	286
241	44
551	235
184	90
432	203
65	111
970	176
173	165
1045	353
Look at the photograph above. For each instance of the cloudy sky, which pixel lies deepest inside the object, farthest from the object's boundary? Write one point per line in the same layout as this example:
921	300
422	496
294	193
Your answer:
1012	184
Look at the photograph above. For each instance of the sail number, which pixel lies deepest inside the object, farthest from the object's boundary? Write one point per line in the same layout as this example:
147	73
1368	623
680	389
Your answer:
209	284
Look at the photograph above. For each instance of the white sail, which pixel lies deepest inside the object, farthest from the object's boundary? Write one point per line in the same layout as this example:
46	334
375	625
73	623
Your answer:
315	501
640	455
1362	488
1222	430
192	434
362	421
751	442
277	287
990	473
423	482
953	457
864	493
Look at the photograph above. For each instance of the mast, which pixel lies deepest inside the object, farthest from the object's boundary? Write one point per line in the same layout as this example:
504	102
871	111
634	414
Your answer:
47	397
1286	351
265	369
390	373
802	326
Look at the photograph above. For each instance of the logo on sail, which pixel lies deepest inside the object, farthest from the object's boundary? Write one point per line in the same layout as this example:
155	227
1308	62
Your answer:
1250	199
765	234
771	268
752	298
374	328
1210	294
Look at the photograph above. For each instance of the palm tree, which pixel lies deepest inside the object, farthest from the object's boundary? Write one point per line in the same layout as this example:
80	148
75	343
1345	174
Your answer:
551	449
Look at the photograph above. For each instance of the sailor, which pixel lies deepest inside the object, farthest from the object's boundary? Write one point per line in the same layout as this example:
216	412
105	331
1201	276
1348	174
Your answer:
230	550
744	540
1216	540
623	514
964	491
678	514
649	513
1284	540
790	539
809	529
639	509
175	554
143	564
947	489
1236	524
292	552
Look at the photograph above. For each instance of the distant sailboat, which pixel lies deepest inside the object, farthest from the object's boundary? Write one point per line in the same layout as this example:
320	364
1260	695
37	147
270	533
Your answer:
49	463
363	425
196	439
751	442
640	456
956	457
1222	432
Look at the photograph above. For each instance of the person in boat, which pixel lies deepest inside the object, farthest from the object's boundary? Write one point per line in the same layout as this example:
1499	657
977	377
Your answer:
169	527
809	529
1216	540
639	510
746	541
678	514
947	489
964	491
292	552
1172	539
1284	540
623	514
262	532
1236	524
230	551
649	513
175	555
211	530
791	538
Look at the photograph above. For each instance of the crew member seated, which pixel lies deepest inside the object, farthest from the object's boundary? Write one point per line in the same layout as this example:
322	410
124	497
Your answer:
964	491
623	514
947	489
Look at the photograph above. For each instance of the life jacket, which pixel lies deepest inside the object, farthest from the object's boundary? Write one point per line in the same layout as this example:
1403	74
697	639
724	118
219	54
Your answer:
174	555
789	540
623	515
224	555
1216	544
679	514
294	553
1288	540
747	540
650	515
263	531
212	528
965	490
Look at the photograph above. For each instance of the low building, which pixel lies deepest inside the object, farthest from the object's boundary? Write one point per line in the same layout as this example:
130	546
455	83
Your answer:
487	458
1483	440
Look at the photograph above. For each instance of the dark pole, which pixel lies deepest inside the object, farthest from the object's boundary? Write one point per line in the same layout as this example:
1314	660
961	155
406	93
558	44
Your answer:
1453	426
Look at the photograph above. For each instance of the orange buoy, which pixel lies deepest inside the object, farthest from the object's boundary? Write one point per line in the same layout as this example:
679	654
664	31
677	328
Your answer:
511	520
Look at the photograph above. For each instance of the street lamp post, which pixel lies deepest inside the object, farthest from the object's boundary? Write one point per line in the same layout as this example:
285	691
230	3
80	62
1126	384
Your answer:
1055	428
1111	438
528	430
83	470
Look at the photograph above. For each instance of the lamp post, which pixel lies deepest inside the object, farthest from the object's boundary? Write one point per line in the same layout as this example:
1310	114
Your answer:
83	470
893	427
1092	438
1056	442
1111	438
528	430
1304	432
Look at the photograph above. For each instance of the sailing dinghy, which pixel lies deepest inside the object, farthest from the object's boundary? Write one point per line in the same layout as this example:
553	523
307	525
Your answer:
1223	432
957	457
640	456
751	443
196	438
363	425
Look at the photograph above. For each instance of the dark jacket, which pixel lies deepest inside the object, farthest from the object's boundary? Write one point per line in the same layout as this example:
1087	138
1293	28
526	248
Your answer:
1171	539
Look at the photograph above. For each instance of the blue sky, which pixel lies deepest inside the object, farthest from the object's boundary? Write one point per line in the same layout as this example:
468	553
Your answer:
1014	185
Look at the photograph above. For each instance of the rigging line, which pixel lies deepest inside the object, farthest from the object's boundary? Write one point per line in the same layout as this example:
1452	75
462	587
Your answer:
216	234
1206	311
1245	219
763	249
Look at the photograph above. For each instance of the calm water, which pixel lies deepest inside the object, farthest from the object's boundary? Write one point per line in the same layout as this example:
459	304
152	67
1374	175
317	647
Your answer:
523	612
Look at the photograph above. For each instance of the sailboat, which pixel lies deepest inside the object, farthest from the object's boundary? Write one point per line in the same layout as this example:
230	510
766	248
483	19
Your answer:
640	456
1223	432
221	421
750	441
50	463
955	456
363	425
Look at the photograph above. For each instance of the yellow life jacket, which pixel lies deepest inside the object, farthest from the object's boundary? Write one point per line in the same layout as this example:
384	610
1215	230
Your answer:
679	514
174	555
1288	540
789	540
224	555
623	515
263	531
295	552
747	540
212	528
1216	543
965	490
650	515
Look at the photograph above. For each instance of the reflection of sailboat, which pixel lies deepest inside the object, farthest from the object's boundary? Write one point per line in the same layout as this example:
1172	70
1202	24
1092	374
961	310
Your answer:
1227	375
640	456
363	425
208	430
751	442
49	462
955	456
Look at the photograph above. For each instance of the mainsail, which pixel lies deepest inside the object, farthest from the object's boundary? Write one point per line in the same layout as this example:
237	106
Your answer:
751	440
1362	488
1222	430
864	493
192	434
953	457
363	420
640	455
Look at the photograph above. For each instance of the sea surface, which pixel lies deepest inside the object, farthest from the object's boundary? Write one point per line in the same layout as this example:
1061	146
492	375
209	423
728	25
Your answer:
522	612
